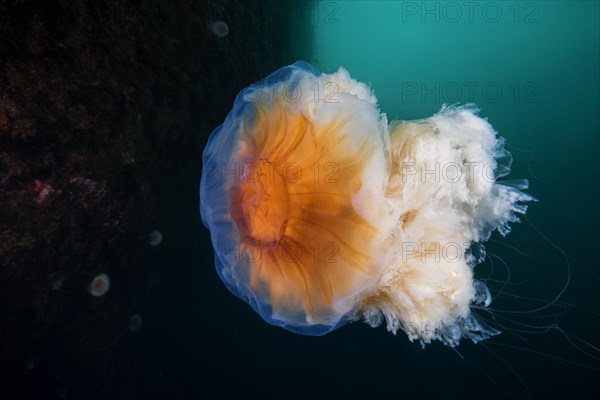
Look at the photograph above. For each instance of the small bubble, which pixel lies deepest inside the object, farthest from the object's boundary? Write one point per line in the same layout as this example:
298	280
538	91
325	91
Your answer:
135	322
99	285
219	29
154	238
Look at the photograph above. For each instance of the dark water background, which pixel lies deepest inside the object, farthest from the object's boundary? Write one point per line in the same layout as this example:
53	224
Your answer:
532	68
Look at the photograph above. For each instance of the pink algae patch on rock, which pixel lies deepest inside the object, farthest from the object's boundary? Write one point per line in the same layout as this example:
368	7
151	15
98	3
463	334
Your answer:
40	190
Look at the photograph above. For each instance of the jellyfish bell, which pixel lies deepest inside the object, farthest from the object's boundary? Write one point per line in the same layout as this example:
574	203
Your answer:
290	187
320	214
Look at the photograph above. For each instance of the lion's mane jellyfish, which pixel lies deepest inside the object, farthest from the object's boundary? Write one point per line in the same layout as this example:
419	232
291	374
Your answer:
321	213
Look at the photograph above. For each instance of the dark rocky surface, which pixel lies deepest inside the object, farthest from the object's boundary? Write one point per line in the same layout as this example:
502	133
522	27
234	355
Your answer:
105	107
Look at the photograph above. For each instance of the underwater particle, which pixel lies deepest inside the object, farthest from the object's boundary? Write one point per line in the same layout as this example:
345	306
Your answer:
321	213
219	29
58	283
99	285
135	322
154	238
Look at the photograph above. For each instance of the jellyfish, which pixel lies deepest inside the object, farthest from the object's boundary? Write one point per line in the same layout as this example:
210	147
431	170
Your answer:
322	213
